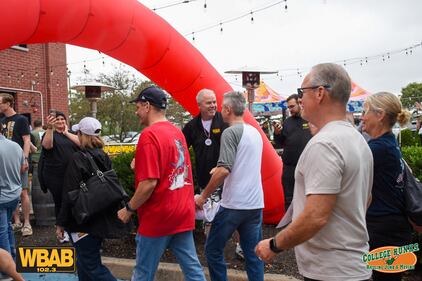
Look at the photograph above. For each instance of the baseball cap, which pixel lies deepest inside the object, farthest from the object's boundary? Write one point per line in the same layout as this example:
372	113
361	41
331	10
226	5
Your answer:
154	95
89	126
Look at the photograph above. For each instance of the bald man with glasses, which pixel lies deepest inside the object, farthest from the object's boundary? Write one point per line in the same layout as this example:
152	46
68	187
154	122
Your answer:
292	137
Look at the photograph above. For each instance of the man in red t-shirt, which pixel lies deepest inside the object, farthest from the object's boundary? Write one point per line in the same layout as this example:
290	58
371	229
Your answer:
164	192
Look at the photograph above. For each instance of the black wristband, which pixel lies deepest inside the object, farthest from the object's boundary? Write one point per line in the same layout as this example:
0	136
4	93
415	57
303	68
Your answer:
129	208
273	246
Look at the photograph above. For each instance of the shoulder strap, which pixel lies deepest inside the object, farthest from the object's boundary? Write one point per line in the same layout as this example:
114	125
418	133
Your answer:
91	161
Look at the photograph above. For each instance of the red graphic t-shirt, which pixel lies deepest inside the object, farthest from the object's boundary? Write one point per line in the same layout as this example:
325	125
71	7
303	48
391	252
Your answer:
162	154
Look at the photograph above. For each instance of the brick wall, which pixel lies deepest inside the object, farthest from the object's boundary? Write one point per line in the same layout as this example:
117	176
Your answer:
41	68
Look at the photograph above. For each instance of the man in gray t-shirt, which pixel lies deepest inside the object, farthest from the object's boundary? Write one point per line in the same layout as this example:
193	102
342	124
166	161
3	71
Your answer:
242	200
12	163
333	181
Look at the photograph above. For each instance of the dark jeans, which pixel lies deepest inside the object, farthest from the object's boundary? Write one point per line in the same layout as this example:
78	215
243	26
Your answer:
88	260
391	230
288	180
249	225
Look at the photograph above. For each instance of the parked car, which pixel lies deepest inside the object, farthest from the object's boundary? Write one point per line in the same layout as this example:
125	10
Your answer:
132	140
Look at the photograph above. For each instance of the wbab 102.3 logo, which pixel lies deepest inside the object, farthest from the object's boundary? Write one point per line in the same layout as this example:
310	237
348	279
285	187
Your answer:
45	259
392	259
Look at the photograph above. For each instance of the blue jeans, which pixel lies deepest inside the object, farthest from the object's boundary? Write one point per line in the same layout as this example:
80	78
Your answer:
7	238
150	249
88	260
249	225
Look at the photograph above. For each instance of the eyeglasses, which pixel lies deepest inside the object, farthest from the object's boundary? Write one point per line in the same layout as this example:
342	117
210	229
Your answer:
300	91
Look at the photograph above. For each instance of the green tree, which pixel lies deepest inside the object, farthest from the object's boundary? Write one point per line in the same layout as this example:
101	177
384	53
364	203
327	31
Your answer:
115	112
411	94
175	113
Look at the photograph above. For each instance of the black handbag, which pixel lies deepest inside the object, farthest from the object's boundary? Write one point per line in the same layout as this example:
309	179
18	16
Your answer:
412	196
100	192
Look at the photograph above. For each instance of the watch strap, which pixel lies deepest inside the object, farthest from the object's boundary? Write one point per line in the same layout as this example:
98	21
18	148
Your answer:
273	246
129	208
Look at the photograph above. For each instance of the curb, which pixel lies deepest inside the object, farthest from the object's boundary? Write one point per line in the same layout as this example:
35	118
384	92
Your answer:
122	269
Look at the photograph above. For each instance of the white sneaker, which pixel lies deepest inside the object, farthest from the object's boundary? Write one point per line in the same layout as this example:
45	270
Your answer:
239	251
65	238
26	230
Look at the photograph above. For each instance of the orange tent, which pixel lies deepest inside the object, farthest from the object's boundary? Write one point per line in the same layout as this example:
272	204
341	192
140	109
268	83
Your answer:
265	94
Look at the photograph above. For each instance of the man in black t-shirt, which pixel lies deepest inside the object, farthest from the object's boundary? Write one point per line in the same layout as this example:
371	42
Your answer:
292	137
203	133
17	130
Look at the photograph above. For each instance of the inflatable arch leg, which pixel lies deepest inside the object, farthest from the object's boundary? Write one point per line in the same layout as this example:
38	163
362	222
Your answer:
133	34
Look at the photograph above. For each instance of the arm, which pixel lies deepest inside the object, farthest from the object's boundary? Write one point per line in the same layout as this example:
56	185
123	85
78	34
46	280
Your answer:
186	132
26	148
47	141
142	194
33	148
217	178
72	137
317	211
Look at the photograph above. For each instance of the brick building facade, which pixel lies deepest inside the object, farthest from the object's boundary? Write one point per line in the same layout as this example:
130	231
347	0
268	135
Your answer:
36	75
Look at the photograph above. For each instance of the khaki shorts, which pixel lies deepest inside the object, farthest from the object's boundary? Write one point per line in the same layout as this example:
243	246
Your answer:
25	181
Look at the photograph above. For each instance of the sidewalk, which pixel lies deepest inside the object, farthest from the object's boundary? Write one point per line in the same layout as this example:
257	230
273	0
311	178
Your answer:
122	268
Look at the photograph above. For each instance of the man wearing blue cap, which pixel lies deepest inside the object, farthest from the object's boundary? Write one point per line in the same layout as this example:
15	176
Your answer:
164	192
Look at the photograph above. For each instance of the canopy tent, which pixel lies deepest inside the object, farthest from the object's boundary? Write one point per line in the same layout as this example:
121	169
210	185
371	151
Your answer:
267	101
357	97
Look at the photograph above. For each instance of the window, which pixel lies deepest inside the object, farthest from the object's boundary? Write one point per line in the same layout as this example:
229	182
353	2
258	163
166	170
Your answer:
21	47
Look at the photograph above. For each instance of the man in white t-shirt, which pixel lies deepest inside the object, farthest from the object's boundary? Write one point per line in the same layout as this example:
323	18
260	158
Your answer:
242	199
333	183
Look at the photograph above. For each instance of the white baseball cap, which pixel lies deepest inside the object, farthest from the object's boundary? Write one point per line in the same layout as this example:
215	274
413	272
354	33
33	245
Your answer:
89	126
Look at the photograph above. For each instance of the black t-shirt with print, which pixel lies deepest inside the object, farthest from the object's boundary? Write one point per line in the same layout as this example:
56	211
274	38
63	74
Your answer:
17	126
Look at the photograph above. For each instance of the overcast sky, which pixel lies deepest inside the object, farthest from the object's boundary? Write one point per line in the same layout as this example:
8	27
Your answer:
309	32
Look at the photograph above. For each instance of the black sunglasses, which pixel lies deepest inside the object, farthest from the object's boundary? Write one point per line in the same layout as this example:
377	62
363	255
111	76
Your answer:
300	91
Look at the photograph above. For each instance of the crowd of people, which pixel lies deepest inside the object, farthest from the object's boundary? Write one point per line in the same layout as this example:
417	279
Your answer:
343	193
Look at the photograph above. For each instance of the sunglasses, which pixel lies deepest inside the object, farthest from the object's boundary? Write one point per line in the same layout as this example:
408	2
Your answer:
300	91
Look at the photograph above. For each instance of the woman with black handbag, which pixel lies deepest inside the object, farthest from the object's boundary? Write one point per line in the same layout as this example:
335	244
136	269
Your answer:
88	235
386	217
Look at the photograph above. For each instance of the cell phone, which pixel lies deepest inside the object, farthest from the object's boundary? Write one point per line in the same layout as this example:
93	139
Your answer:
52	112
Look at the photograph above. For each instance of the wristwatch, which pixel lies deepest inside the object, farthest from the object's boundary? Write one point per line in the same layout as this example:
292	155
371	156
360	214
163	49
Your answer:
129	208
273	246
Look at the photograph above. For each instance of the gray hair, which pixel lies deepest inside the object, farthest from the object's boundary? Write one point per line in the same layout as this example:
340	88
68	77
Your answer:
201	93
336	77
236	101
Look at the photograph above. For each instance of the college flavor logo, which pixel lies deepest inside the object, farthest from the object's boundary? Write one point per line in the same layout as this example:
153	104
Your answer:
392	259
45	259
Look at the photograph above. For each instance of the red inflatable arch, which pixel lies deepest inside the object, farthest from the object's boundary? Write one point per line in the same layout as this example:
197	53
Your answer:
133	34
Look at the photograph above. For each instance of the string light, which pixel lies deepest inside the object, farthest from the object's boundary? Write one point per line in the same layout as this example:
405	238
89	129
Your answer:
236	18
221	27
51	71
36	74
205	4
285	5
165	6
